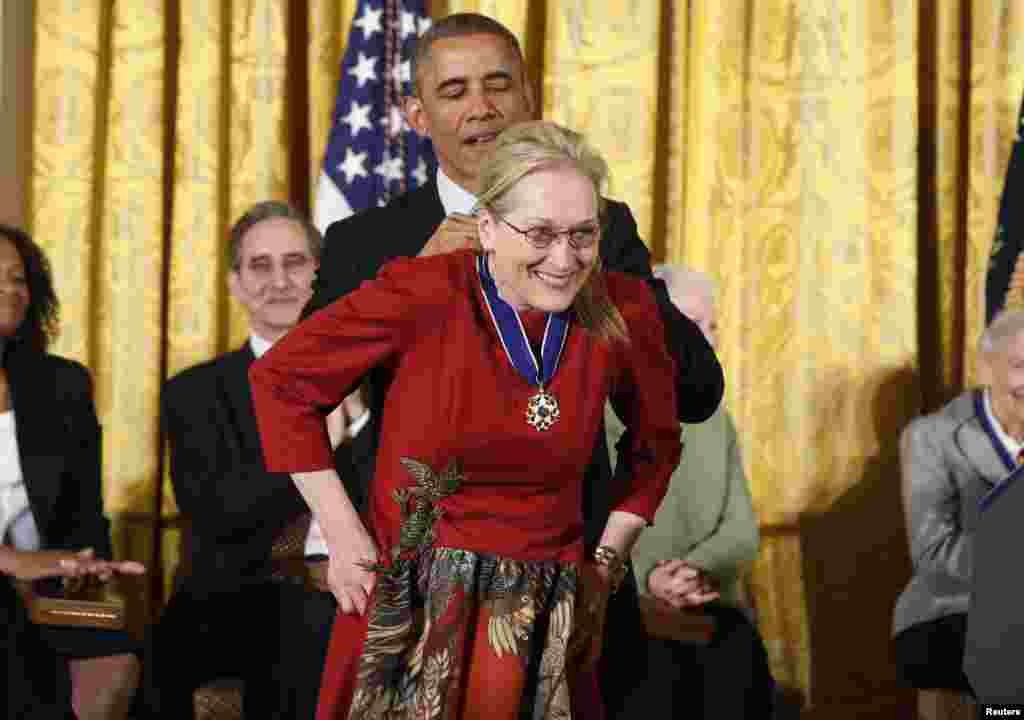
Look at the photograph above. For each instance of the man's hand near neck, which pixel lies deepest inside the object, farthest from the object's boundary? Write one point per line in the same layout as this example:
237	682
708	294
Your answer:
457	232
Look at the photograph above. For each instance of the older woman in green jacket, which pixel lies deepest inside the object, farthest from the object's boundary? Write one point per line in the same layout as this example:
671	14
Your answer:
704	536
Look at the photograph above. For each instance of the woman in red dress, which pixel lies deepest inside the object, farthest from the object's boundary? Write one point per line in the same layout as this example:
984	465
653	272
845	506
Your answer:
464	591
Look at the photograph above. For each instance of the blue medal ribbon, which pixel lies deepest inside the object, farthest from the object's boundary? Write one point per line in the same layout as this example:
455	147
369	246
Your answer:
997	444
1012	467
513	335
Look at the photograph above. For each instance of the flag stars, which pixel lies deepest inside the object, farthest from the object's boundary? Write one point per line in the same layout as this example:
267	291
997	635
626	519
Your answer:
364	69
358	118
420	173
390	169
354	165
369	22
408	24
364	169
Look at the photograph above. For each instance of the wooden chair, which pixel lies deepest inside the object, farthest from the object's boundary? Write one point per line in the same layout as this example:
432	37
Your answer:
222	698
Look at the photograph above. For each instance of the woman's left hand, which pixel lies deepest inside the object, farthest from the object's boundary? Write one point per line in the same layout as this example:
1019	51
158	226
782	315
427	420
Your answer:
591	609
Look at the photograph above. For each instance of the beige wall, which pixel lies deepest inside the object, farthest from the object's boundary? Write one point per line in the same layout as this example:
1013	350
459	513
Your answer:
15	107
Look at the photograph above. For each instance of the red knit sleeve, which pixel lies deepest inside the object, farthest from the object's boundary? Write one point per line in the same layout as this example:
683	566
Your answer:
310	370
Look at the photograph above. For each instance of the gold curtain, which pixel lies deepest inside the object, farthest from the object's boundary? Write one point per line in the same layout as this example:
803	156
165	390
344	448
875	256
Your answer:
835	166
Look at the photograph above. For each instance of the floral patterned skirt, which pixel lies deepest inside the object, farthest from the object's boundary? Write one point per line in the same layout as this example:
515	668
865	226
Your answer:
458	635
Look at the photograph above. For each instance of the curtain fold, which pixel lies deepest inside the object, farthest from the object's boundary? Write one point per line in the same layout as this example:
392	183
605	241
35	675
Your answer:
836	167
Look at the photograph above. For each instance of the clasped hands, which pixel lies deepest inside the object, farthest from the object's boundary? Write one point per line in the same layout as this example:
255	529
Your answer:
681	584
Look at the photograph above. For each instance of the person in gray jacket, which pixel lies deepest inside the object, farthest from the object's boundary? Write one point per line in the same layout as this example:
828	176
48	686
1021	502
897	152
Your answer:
950	459
704	536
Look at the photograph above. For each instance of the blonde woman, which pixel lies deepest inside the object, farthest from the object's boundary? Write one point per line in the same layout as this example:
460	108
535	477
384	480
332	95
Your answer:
471	82
464	591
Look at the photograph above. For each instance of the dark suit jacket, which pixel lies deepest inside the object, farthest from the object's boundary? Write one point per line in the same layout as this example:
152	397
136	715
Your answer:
59	449
233	509
233	506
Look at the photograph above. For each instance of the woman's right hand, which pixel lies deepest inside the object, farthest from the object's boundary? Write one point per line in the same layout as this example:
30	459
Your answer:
347	574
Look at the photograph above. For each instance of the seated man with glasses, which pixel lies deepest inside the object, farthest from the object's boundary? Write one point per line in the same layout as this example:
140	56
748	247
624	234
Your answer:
224	618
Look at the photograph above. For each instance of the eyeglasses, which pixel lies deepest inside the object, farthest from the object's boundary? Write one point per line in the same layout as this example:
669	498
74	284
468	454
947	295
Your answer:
542	238
295	265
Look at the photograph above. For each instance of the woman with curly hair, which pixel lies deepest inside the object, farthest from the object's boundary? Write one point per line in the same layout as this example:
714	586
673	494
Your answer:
51	508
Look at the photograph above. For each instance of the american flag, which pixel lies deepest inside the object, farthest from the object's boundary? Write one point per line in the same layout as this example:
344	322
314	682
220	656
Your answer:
1009	239
372	154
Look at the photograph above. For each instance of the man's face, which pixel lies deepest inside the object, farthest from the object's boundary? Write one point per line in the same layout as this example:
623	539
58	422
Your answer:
274	280
470	89
1007	368
701	309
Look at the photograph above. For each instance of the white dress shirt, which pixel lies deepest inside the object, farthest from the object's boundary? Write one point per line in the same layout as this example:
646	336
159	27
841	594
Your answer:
259	344
454	198
17	524
1012	446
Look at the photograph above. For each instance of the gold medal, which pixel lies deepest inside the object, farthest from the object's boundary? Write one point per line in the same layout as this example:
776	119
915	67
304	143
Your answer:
542	410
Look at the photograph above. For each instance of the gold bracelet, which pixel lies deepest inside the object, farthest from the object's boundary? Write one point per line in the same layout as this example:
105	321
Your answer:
609	557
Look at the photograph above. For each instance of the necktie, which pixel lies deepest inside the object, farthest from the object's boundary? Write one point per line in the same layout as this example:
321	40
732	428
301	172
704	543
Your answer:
1020	456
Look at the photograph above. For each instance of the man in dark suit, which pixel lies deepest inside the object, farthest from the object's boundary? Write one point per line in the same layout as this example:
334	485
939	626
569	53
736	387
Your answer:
229	617
470	84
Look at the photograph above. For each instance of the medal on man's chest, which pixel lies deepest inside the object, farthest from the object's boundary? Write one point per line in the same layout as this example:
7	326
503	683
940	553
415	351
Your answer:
541	408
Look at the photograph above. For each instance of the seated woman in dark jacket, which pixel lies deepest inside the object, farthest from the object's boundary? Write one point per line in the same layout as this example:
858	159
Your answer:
51	510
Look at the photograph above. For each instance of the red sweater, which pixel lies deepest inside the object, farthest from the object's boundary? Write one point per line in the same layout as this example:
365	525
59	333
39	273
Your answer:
455	395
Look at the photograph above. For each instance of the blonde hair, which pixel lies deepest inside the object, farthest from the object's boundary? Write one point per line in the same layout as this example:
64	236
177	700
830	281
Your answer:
529	147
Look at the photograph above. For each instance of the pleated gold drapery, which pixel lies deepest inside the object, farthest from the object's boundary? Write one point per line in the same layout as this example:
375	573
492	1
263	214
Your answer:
835	166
